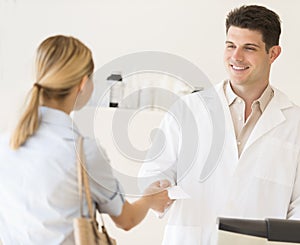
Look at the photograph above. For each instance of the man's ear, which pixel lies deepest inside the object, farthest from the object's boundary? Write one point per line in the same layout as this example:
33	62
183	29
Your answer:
83	82
274	52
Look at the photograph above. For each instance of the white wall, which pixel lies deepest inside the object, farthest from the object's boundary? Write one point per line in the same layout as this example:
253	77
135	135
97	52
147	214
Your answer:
193	29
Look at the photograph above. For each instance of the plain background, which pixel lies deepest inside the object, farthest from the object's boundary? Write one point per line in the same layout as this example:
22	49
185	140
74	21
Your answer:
193	29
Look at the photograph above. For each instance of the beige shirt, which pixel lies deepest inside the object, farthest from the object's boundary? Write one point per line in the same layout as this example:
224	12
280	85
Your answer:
242	127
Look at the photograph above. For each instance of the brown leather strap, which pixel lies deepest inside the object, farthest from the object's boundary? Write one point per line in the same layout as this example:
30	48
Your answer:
83	181
79	174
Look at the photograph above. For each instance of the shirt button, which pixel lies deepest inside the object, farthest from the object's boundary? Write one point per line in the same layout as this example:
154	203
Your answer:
239	101
240	118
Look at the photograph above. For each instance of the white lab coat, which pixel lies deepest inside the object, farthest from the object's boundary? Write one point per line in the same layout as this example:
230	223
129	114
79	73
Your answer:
263	182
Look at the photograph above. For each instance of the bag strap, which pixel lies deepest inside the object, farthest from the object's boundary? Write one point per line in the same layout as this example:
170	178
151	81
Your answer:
83	181
79	174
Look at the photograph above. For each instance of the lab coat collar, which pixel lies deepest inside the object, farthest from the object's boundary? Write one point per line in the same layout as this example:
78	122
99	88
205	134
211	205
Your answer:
271	117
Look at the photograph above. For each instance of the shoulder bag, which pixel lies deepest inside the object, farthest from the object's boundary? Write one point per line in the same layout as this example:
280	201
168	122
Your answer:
86	230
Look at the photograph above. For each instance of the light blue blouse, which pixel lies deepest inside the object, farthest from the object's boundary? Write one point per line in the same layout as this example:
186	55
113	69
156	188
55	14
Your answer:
38	191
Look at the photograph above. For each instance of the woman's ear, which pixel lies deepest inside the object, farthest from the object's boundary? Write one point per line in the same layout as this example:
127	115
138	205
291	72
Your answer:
83	82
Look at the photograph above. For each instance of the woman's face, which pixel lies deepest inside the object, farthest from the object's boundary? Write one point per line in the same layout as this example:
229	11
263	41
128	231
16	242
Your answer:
85	94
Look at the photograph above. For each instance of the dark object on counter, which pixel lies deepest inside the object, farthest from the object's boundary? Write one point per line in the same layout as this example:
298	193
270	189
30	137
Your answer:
280	230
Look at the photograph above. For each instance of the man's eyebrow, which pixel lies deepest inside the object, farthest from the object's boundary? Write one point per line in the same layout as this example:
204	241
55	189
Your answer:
252	44
246	44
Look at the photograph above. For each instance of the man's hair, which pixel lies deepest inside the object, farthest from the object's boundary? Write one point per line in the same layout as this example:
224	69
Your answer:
256	18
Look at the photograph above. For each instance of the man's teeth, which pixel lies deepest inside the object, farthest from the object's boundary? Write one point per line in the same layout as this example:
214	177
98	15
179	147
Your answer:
239	67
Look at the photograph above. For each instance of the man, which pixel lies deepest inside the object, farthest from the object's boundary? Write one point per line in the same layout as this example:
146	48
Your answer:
256	171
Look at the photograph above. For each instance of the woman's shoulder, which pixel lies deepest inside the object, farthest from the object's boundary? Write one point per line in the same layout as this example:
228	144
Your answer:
4	141
94	150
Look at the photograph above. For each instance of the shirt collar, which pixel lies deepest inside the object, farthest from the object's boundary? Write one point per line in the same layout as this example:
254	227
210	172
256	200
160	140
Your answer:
229	94
263	100
56	117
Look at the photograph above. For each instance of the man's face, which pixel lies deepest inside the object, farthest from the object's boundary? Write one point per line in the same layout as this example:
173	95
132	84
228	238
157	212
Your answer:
246	58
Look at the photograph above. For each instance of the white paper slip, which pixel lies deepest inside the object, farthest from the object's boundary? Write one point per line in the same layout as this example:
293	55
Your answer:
176	192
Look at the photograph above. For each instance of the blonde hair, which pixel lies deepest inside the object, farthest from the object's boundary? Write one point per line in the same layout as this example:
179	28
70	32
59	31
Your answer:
61	64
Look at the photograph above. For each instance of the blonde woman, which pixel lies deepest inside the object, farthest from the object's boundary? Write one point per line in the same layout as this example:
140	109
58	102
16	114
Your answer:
38	191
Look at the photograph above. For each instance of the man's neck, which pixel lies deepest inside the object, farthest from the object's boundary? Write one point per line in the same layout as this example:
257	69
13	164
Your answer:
249	94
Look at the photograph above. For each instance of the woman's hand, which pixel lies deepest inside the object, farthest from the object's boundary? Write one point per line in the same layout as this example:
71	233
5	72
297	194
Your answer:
155	197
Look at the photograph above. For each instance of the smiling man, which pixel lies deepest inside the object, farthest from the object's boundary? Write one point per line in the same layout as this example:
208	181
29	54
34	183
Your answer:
256	174
252	45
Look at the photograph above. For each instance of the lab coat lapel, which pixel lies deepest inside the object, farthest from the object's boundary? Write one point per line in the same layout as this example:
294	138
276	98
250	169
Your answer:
271	117
230	135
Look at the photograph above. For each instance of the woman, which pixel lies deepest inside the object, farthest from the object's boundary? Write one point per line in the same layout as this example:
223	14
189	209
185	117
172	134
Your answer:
39	195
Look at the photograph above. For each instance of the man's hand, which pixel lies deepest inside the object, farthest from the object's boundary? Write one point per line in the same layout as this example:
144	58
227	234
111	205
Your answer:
157	195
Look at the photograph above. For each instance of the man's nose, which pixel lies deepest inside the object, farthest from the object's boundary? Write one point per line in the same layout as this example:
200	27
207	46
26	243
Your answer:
238	54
